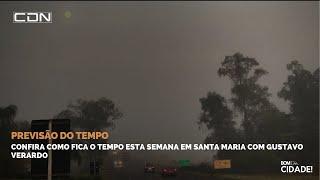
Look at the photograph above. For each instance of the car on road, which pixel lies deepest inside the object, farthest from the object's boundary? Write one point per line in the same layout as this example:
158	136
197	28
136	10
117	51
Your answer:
168	171
149	168
118	164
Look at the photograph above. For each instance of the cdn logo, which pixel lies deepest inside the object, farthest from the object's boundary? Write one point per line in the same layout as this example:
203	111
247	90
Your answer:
32	17
293	167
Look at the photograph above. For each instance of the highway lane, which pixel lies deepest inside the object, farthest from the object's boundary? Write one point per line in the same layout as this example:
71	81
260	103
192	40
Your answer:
181	175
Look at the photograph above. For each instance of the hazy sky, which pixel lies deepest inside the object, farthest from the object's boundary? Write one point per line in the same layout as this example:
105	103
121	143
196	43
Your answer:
155	60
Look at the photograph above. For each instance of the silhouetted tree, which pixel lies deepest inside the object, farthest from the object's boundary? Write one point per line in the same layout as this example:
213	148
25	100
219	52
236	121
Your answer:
302	91
248	97
261	120
8	167
7	115
217	117
92	114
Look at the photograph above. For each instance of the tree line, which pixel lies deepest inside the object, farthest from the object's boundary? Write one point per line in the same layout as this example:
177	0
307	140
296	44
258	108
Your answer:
260	120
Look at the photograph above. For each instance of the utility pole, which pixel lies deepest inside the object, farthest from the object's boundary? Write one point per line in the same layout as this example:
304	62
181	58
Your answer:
50	154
